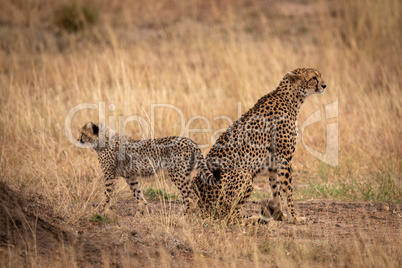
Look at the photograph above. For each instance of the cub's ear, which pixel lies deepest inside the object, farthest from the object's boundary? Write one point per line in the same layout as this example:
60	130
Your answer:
95	129
293	77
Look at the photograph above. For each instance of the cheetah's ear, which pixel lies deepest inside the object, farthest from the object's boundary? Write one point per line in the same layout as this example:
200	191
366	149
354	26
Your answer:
95	129
293	77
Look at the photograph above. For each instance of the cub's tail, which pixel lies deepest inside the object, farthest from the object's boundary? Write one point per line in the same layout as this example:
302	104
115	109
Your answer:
203	170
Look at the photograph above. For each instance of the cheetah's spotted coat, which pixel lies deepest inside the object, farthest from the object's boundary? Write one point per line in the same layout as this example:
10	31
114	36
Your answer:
265	136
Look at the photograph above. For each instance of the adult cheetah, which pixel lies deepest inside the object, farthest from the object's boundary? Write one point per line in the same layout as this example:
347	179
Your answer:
131	159
265	136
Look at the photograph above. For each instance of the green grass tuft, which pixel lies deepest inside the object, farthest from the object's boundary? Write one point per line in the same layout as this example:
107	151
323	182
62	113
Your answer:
384	188
158	194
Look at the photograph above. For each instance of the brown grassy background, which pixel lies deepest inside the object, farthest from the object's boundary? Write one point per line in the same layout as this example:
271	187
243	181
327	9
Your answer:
203	57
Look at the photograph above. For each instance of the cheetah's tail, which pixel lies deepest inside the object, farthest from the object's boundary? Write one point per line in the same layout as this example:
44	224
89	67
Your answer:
202	168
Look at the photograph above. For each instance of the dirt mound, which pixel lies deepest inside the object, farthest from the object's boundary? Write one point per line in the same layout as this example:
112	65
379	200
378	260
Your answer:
26	239
23	230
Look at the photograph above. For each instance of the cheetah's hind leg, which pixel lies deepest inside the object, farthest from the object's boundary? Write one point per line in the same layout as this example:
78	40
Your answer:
271	210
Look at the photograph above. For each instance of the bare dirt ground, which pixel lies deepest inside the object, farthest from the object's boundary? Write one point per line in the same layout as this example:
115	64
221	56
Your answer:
94	243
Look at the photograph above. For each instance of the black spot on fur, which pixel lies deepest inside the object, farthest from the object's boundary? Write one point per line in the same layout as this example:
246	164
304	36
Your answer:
95	130
217	174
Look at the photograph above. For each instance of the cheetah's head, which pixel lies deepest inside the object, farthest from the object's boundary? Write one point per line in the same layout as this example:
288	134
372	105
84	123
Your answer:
307	81
89	135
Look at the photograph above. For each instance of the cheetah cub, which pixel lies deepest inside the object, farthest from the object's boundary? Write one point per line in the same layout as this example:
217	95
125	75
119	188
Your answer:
122	156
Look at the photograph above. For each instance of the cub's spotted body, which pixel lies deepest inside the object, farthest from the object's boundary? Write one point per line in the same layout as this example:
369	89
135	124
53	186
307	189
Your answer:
265	136
131	159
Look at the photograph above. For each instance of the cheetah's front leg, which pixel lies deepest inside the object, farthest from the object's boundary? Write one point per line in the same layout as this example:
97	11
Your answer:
110	179
274	207
285	173
277	209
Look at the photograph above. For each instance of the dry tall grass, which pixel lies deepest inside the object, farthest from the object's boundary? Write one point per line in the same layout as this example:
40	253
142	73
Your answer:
202	57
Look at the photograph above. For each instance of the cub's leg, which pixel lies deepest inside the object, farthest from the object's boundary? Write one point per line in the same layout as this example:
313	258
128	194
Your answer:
183	184
135	187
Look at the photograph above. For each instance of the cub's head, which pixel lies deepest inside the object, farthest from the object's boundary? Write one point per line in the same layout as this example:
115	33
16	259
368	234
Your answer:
89	134
307	81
